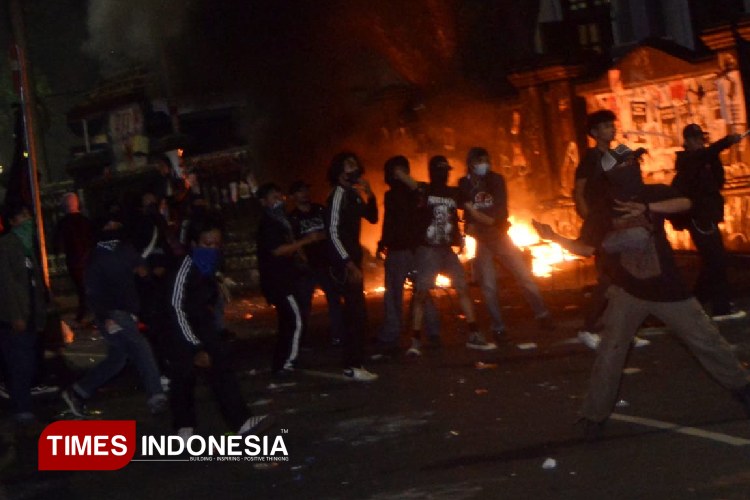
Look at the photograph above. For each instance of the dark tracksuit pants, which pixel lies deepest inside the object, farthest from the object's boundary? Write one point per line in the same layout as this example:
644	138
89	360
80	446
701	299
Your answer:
355	323
222	380
290	326
712	283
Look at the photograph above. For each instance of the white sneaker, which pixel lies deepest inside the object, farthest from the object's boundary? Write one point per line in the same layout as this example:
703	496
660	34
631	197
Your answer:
590	340
737	314
360	374
256	425
43	389
414	351
164	383
640	342
478	342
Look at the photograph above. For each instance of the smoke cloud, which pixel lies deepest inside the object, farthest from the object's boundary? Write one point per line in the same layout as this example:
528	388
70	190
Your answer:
127	32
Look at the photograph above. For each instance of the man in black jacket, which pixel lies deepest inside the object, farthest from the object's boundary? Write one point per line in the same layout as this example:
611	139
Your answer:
399	242
112	295
197	343
350	201
700	177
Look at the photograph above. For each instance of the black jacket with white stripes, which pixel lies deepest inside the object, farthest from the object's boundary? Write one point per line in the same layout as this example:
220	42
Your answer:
344	212
192	299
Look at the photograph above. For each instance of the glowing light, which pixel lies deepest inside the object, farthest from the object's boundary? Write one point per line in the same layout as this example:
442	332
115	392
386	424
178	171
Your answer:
1	169
25	154
442	281
545	255
379	289
470	249
248	316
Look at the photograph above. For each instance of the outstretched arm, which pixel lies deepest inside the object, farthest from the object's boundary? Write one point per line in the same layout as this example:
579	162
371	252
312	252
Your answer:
573	246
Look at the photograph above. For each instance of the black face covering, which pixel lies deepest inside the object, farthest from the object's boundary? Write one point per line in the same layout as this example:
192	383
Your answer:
439	177
354	176
152	208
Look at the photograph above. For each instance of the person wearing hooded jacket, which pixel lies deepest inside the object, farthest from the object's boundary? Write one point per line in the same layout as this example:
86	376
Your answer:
22	309
487	221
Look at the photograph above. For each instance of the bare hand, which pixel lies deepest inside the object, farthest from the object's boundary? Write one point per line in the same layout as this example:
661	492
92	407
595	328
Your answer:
364	185
315	236
202	359
630	208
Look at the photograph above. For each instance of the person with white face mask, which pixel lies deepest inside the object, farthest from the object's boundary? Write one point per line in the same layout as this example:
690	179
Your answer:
486	213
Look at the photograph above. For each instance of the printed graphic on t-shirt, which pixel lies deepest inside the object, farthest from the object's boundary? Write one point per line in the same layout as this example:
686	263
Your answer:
311	225
442	225
482	200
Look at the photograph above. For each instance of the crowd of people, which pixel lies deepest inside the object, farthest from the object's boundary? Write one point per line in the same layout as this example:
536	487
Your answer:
156	298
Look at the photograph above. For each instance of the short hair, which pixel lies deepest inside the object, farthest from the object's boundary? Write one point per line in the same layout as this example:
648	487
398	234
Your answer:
474	153
14	208
266	189
203	224
390	167
337	166
596	118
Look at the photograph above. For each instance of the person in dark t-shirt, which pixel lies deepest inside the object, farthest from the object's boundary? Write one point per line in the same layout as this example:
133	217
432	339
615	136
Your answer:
308	218
438	218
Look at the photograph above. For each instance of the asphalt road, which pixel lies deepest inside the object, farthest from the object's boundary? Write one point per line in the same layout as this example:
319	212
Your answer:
438	427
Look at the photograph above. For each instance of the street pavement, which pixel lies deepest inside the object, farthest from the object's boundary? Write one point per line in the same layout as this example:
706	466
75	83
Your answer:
451	424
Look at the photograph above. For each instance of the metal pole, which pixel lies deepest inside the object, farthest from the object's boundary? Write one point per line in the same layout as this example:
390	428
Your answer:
28	104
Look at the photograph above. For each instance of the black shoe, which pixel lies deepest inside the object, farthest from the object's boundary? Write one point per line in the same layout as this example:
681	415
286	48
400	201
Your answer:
591	430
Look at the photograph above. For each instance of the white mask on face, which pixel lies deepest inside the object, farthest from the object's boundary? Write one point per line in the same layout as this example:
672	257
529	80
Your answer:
481	168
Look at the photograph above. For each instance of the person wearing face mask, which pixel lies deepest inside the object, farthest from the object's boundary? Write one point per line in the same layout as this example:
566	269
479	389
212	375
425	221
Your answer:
399	243
281	261
196	344
111	291
22	309
350	201
487	221
438	226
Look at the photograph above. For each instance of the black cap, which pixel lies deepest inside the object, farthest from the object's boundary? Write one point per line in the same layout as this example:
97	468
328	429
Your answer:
693	130
298	186
439	161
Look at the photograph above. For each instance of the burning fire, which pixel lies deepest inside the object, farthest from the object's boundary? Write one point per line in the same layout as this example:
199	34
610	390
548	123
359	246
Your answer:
442	281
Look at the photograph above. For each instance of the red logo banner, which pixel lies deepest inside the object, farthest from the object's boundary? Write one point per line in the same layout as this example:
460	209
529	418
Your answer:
87	445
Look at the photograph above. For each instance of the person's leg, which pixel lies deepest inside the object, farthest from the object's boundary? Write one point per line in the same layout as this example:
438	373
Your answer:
333	298
289	326
140	353
511	257
455	271
182	373
76	275
225	387
689	321
19	354
110	366
712	283
356	319
623	316
484	265
597	304
304	294
397	266
427	263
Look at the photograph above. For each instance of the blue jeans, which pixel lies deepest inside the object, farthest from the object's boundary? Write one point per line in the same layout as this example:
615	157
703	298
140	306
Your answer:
20	356
398	264
503	249
126	344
